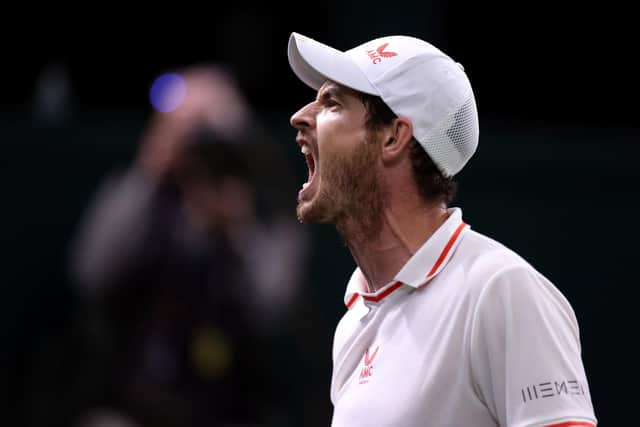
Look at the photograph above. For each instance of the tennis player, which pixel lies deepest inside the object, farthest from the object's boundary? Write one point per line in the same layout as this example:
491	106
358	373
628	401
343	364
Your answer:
444	326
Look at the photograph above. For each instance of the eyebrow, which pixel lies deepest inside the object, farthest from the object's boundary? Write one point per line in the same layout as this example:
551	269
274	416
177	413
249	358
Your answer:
332	91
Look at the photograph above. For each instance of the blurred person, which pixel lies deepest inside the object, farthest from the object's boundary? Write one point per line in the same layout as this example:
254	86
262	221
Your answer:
189	268
444	326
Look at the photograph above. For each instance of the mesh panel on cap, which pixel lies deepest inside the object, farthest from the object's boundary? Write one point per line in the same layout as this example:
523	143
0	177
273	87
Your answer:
451	144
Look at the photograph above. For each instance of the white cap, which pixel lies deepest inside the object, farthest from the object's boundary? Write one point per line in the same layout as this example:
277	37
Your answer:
414	78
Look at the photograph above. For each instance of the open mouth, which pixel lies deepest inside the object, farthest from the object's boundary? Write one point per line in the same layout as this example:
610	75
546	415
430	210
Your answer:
311	164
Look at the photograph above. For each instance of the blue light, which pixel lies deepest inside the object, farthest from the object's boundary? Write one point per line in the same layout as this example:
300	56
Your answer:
168	92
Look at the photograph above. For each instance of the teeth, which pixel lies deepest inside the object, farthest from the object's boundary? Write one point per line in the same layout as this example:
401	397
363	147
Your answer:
305	150
305	185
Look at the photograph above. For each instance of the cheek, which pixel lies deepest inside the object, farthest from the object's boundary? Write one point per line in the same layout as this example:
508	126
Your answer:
339	135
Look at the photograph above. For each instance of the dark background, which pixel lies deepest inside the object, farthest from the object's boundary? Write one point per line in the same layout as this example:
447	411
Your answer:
554	178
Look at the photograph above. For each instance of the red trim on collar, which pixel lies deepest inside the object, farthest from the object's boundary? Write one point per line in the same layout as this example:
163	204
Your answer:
434	269
446	249
376	298
353	299
573	424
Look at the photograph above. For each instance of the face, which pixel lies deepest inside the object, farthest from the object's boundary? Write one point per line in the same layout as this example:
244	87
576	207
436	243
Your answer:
342	157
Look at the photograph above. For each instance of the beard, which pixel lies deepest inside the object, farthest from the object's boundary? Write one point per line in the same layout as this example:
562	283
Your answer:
349	192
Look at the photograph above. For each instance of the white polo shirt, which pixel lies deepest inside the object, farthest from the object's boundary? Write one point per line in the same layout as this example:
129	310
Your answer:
467	334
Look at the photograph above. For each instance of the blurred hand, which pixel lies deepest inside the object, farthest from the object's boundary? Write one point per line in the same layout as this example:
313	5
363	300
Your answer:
213	100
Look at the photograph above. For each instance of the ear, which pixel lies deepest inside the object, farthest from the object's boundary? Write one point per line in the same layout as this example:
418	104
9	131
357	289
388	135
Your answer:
397	137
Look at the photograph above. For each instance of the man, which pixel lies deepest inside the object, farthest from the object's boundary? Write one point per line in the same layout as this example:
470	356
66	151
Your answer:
444	327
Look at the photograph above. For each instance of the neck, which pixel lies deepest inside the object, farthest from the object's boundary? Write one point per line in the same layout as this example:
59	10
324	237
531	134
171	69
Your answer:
382	246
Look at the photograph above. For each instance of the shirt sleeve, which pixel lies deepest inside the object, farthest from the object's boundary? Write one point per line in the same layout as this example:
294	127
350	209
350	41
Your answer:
525	352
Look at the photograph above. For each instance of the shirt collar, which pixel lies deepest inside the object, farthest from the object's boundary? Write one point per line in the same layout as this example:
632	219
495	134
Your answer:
423	266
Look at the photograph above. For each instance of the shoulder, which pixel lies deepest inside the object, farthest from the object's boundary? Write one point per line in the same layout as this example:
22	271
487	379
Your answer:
523	335
484	252
495	271
480	259
486	259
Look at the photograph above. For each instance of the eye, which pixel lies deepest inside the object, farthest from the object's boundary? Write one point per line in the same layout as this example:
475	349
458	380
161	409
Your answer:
331	103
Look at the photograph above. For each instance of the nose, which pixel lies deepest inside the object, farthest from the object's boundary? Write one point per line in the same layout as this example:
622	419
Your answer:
304	117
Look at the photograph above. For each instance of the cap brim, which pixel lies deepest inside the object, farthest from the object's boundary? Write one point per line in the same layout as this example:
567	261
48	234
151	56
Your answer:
314	63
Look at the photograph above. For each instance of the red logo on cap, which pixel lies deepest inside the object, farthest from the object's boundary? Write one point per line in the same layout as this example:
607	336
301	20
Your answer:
377	55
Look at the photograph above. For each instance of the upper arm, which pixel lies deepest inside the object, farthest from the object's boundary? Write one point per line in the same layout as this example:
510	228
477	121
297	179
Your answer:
525	353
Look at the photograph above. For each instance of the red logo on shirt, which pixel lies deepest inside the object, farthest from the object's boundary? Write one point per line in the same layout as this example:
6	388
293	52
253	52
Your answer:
367	369
377	55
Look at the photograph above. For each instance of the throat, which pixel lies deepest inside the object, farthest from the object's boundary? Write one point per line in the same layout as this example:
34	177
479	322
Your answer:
377	250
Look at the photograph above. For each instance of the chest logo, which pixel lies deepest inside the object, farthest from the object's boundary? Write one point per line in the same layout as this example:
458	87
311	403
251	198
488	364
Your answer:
367	370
